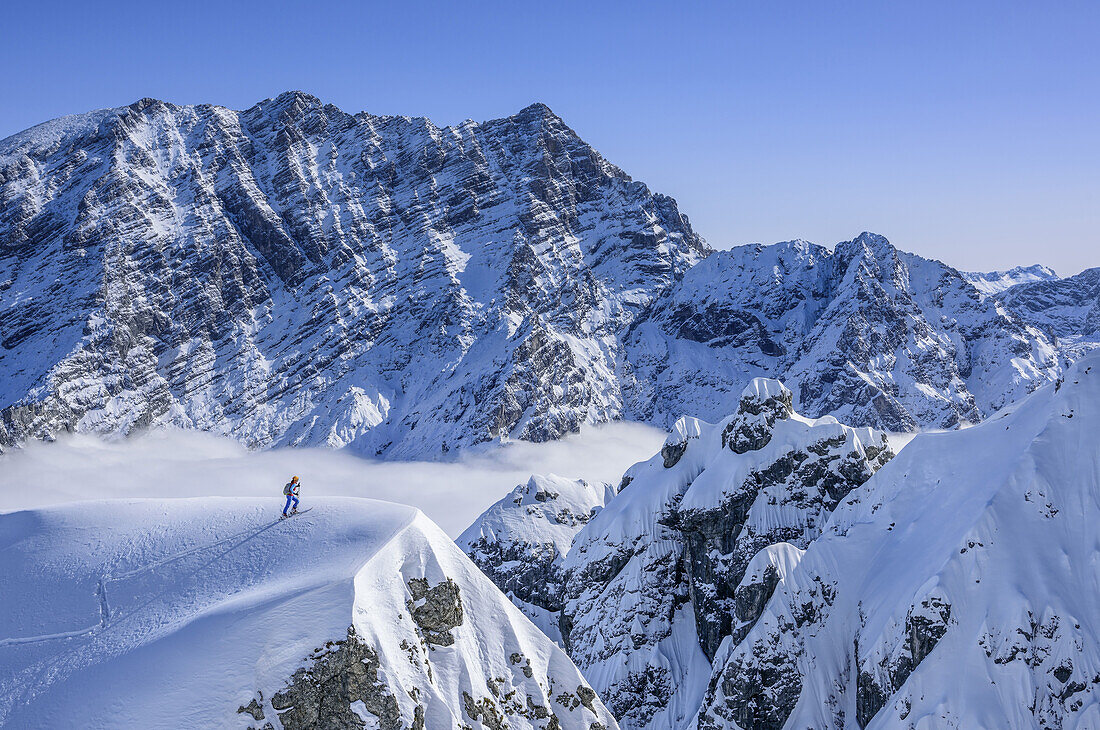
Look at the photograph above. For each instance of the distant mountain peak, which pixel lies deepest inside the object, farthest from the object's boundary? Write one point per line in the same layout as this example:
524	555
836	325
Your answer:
298	97
994	282
294	275
865	244
537	110
145	103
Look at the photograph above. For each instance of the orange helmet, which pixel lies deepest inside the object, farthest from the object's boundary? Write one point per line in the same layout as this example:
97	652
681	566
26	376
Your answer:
294	479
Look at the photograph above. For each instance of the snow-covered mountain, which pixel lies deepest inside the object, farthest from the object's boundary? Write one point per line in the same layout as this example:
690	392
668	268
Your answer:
520	541
214	613
958	588
995	282
292	274
870	334
772	571
689	551
1067	310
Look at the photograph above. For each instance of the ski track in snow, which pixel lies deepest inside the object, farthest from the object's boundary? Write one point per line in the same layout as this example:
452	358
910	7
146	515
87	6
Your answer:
101	585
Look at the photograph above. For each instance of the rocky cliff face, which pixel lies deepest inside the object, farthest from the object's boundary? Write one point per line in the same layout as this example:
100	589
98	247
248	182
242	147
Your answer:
688	554
292	274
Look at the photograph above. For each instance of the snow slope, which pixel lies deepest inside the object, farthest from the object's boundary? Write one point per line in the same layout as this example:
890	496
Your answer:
959	588
175	613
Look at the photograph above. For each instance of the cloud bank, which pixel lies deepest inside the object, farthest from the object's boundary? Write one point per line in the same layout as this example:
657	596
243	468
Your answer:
194	464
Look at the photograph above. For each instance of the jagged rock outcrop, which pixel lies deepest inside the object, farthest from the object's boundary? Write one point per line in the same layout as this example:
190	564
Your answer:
520	541
688	554
435	610
322	695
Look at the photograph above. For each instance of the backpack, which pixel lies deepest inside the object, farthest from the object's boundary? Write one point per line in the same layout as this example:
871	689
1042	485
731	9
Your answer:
287	488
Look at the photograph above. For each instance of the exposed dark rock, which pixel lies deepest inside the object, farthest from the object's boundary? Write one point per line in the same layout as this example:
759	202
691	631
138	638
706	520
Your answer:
672	453
528	572
253	708
757	697
749	601
319	696
925	625
435	610
751	428
587	695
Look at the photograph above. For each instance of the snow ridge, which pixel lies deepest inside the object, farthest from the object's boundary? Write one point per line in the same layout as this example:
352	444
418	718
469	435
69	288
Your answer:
355	614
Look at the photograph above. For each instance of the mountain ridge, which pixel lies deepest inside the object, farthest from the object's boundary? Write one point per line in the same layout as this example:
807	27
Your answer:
534	109
291	274
770	571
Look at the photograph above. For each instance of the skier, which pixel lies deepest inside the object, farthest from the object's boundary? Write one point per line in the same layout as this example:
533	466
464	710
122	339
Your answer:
291	492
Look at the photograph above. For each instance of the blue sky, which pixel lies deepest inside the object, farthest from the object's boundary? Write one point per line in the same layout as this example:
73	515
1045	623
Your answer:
965	131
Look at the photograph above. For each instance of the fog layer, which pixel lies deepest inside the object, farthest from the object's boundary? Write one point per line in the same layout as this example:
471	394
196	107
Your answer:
193	464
